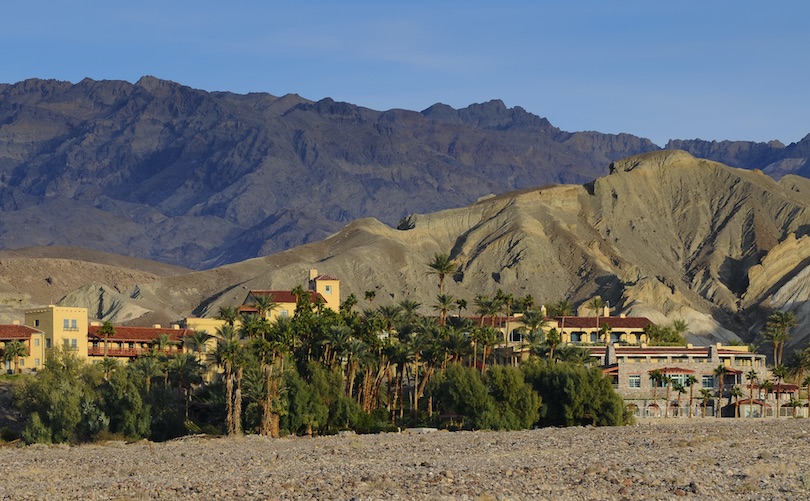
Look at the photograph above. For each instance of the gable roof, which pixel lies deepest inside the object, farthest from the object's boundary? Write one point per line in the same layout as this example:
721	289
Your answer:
11	332
138	334
280	296
324	276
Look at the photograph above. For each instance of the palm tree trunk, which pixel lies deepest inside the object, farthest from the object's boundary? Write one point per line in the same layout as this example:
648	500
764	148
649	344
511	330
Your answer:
237	403
229	398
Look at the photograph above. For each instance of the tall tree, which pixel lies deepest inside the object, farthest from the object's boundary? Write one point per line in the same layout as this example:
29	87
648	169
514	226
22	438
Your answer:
736	392
13	351
264	304
690	382
657	378
443	304
779	372
442	265
720	373
597	305
777	331
752	379
705	395
106	331
229	314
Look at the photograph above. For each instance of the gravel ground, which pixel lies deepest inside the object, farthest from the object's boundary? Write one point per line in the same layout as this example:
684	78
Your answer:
699	458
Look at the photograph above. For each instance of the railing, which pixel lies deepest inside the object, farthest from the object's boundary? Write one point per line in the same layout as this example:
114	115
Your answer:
98	351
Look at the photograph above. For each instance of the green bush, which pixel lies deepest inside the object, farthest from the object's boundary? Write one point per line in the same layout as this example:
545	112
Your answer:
574	395
517	405
461	391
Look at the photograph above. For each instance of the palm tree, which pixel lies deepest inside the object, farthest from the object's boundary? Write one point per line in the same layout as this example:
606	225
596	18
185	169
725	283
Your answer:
369	296
442	266
409	310
768	387
736	392
147	367
106	331
552	341
197	341
13	351
720	373
533	322
229	314
108	364
667	381
705	394
443	304
228	356
779	323
264	304
690	382
187	370
505	301
780	371
596	305
680	389
461	304
752	378
657	378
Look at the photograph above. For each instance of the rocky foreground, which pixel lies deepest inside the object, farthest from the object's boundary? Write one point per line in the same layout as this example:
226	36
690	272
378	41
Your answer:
700	458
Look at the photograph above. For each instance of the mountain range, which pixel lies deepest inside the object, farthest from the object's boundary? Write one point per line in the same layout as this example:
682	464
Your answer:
160	171
665	235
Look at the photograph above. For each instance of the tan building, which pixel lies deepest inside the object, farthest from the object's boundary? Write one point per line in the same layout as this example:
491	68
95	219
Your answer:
632	368
34	341
62	326
130	342
323	289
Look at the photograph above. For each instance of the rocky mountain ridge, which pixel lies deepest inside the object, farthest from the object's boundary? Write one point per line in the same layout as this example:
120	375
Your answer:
165	172
664	235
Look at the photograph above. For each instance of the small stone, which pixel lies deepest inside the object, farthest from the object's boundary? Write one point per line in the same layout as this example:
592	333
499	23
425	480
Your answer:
679	492
627	482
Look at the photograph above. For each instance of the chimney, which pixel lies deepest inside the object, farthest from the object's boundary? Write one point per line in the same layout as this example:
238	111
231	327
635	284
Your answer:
176	327
543	310
95	323
606	311
156	326
622	315
16	322
313	274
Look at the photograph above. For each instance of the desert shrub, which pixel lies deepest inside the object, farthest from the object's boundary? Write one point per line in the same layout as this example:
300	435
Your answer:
460	390
574	395
7	434
517	405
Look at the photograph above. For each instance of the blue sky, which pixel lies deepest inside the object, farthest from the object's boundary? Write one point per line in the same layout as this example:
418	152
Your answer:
736	70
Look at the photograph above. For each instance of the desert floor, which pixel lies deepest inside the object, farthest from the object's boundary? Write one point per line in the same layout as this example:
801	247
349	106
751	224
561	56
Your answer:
697	458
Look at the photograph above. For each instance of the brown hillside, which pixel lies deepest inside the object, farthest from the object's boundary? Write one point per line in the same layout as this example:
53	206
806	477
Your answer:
665	235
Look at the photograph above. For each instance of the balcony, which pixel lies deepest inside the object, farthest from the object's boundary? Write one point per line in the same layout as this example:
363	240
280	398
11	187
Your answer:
98	351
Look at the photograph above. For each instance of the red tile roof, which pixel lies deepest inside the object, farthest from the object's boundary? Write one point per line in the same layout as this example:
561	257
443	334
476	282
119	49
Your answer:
613	322
139	334
280	296
10	332
326	277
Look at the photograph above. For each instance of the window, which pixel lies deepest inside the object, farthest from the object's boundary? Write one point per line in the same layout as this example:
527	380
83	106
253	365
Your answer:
74	344
74	325
36	342
36	362
327	289
48	343
22	362
65	324
284	313
36	323
707	381
66	343
678	379
634	381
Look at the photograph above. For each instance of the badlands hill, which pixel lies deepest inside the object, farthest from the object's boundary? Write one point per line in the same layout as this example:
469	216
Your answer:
164	172
665	235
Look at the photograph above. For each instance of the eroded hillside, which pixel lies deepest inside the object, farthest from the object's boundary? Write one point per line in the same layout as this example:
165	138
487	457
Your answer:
665	235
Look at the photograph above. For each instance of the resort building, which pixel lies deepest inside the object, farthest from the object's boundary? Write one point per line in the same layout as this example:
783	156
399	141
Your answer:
127	343
31	358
